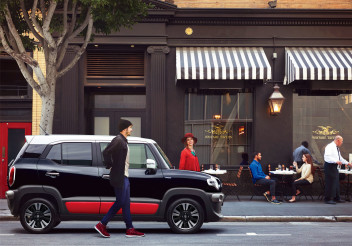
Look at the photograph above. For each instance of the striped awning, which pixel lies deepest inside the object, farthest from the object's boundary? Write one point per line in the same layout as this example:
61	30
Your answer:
318	64
225	63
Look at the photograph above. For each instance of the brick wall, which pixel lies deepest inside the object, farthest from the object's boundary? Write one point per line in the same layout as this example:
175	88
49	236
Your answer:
37	102
293	4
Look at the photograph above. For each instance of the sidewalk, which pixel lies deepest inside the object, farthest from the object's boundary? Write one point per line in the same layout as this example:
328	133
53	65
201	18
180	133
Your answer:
260	210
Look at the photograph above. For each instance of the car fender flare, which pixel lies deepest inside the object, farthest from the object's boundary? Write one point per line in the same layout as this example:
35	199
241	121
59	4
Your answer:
186	192
34	189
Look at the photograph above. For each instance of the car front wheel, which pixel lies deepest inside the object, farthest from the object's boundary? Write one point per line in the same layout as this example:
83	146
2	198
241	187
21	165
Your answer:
38	215
185	216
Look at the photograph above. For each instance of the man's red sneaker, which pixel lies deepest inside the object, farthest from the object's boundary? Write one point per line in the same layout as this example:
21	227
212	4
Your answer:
102	230
134	233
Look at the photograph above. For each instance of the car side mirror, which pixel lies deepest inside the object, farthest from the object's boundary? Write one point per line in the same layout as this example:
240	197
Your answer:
151	164
151	167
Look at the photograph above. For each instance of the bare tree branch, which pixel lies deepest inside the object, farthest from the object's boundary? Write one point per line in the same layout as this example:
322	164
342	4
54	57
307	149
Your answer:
63	48
26	74
13	30
60	39
74	18
46	25
34	20
42	9
82	49
82	26
30	25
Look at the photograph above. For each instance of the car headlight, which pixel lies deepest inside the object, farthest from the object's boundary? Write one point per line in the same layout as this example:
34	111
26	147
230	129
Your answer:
213	182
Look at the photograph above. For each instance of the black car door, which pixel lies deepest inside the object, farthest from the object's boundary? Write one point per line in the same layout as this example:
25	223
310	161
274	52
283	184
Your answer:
70	168
145	187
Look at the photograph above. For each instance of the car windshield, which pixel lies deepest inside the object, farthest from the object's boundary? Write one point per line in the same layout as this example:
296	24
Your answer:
166	160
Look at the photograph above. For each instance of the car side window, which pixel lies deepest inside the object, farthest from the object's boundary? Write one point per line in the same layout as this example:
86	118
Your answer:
102	148
55	153
138	155
149	153
77	154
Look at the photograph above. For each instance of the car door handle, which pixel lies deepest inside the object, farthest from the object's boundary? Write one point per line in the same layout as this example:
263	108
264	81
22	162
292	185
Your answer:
52	174
106	176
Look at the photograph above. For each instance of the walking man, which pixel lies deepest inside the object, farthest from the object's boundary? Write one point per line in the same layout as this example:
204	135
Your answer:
116	157
259	177
333	159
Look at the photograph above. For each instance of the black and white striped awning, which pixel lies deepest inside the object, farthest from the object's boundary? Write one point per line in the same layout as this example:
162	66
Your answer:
318	64
225	63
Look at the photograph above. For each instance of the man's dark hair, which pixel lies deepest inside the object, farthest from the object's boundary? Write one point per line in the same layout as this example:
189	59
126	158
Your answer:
255	153
305	144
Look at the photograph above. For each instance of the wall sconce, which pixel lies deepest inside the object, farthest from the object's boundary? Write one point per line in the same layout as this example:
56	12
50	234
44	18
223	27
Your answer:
272	4
275	101
216	116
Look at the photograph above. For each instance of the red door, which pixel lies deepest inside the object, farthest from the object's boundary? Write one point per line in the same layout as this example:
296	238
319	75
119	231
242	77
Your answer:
11	141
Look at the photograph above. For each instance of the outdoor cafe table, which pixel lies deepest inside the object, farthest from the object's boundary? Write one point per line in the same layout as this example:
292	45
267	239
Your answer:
214	172
347	194
282	174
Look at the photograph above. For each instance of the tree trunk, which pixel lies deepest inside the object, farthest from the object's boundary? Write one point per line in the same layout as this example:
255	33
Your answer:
47	114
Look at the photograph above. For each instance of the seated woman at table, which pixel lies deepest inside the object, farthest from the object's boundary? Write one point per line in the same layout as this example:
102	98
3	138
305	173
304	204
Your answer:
189	160
307	170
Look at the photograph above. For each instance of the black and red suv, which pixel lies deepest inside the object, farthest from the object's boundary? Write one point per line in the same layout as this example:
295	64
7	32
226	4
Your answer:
57	178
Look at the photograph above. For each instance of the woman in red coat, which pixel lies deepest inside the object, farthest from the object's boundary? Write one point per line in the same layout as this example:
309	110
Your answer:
189	159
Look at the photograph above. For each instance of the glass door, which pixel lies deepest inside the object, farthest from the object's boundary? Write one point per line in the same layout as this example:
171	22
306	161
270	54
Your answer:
106	121
12	138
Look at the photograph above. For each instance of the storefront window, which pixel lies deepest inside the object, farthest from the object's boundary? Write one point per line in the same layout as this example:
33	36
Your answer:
222	122
318	119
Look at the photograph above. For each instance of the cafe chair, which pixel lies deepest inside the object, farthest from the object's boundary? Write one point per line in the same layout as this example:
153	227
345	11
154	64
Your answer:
257	189
345	187
306	190
230	187
321	182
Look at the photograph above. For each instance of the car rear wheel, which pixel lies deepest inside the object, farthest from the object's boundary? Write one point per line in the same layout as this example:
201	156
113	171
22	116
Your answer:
185	216
38	215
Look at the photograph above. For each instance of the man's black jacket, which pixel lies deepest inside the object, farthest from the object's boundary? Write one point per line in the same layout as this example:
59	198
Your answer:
115	157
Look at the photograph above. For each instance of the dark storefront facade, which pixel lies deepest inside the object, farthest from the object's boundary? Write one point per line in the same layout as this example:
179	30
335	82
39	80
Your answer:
211	72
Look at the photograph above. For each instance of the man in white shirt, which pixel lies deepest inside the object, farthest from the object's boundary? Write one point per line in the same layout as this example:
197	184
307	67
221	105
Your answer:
333	158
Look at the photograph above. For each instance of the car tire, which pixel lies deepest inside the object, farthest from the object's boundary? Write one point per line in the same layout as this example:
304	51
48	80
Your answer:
185	216
38	215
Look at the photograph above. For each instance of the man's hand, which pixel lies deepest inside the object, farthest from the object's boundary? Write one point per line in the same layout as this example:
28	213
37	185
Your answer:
267	177
339	163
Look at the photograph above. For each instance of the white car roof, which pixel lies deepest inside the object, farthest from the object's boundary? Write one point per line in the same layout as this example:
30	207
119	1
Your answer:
50	139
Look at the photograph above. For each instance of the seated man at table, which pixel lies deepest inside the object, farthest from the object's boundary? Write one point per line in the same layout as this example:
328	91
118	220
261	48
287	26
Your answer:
259	177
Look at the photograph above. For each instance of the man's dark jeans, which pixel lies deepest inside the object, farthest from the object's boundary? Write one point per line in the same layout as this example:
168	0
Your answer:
122	201
269	182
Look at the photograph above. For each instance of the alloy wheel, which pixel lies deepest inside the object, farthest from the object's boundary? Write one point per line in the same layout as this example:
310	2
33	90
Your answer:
185	216
38	216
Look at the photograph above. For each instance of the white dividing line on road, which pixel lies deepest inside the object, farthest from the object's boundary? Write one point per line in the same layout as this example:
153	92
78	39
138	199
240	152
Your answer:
7	234
253	234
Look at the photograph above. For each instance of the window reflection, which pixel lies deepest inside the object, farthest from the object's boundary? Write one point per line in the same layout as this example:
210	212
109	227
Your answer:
318	119
222	122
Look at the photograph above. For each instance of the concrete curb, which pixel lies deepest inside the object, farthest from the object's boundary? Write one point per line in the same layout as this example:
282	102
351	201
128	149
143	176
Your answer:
343	218
10	217
286	219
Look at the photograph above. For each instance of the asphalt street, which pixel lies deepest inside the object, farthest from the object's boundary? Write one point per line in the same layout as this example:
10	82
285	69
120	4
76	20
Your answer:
219	233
